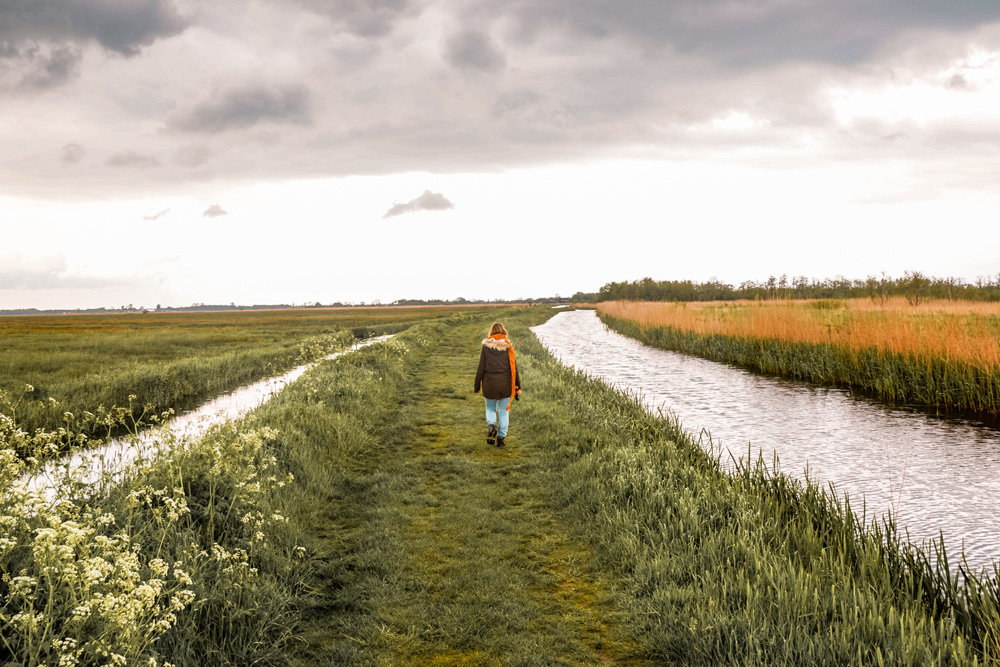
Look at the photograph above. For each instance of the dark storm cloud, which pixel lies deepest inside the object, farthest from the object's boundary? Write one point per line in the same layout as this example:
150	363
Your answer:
72	153
390	86
42	41
364	18
34	67
474	49
246	106
122	26
131	159
752	32
214	211
428	201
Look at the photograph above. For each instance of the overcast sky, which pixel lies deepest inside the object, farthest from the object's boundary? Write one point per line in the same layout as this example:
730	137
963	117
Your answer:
162	151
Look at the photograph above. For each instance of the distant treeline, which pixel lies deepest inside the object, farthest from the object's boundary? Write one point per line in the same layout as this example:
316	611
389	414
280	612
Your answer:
913	285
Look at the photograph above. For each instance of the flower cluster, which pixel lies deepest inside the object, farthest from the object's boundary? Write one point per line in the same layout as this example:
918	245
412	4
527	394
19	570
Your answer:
86	593
99	575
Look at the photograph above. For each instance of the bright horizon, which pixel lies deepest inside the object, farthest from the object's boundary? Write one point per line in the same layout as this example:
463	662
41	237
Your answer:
169	152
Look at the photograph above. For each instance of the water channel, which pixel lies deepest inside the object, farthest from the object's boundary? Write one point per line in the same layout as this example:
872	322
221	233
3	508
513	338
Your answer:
937	476
113	458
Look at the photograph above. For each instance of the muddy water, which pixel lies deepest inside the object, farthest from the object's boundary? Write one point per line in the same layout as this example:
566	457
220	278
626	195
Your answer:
93	464
935	475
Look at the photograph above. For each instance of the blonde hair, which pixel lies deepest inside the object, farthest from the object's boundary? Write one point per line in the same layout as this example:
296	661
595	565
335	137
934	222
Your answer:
497	328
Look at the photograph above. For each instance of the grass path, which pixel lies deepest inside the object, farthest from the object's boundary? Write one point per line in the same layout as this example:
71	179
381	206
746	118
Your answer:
452	556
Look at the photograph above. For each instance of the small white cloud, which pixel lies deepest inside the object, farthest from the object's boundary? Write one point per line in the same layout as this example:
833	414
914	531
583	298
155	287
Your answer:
214	211
156	216
428	201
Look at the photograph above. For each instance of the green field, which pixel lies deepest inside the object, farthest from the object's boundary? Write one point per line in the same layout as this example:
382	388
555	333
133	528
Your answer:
167	360
360	519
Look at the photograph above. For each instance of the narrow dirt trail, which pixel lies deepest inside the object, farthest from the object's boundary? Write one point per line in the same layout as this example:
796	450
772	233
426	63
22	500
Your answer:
458	558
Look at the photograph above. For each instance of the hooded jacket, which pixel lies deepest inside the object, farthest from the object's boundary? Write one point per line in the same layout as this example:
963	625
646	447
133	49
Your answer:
493	374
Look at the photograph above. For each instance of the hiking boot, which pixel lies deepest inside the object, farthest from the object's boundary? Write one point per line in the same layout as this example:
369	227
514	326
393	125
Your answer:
491	434
501	442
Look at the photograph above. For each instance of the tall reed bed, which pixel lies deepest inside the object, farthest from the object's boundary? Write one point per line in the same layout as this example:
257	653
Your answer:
192	560
941	354
746	569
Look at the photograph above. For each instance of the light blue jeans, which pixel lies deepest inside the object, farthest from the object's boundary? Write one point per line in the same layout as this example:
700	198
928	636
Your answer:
494	406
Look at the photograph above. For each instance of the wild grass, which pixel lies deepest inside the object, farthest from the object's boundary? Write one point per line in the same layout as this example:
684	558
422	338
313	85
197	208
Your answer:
745	569
192	559
352	521
168	360
944	354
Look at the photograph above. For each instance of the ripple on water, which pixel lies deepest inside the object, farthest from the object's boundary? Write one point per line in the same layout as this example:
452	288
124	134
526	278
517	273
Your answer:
937	475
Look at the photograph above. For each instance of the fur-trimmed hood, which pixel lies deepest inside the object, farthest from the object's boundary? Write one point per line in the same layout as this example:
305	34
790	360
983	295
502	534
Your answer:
497	344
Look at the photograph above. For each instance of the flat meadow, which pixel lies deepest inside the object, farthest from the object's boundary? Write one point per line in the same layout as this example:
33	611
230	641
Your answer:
939	353
55	368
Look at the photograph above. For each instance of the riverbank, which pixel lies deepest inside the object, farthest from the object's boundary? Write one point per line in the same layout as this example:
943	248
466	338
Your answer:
360	518
939	477
941	356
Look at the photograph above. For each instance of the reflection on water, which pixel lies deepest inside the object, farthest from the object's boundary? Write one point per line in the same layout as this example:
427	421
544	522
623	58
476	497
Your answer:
935	475
92	464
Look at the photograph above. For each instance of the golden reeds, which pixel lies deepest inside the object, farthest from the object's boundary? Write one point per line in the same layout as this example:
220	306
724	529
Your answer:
951	331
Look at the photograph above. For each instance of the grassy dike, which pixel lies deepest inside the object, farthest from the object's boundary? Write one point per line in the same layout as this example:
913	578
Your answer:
601	535
359	518
431	548
936	382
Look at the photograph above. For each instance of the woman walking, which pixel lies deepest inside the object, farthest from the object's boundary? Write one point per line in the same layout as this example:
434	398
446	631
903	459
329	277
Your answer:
497	375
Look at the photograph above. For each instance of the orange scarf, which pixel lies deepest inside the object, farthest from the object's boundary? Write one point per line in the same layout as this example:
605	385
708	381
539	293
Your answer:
513	366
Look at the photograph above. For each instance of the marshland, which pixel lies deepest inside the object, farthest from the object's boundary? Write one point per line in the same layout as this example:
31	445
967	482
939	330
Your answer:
937	353
359	518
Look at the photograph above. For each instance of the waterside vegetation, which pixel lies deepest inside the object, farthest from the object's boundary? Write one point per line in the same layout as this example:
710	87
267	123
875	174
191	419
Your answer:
359	518
943	354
